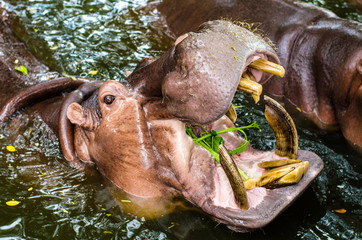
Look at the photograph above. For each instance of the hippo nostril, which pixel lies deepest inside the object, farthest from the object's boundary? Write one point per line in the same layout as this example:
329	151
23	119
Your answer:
109	99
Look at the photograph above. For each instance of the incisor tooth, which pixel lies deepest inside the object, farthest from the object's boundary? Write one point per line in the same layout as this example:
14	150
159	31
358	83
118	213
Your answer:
232	113
248	84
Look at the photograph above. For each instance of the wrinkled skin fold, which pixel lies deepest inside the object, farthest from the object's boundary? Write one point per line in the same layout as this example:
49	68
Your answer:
135	135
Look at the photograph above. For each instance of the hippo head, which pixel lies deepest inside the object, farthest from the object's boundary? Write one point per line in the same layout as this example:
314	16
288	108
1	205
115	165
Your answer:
136	135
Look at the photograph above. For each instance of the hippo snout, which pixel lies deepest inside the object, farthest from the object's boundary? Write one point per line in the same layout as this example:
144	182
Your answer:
209	66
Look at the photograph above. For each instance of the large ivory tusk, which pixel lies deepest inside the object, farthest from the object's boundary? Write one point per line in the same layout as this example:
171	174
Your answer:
283	127
234	177
267	66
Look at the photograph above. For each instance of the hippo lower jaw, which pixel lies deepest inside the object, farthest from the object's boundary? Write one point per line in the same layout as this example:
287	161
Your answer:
263	204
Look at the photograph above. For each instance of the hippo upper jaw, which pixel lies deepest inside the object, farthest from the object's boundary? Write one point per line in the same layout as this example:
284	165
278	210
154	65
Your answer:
203	70
209	65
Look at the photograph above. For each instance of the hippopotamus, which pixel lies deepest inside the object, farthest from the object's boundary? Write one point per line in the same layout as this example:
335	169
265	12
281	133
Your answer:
135	133
321	53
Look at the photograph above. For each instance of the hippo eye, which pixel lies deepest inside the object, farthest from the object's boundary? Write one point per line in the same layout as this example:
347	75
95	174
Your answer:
109	99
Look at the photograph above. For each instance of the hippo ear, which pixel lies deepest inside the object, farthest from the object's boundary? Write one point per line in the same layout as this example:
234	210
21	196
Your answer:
80	116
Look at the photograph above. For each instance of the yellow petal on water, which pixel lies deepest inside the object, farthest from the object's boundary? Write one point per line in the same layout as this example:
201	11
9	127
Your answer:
12	203
107	232
299	109
94	72
173	224
64	210
126	201
16	61
31	10
10	148
30	189
342	210
54	47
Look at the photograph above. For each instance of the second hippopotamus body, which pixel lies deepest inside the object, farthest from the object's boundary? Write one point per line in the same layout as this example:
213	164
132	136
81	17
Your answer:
322	55
135	133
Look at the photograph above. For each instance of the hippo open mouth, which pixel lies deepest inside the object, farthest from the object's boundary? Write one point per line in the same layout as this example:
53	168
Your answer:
204	71
135	135
265	200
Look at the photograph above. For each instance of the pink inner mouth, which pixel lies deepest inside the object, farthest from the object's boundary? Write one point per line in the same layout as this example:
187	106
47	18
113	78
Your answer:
256	73
247	161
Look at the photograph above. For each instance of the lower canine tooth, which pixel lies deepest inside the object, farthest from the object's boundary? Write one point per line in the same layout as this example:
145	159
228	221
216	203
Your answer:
267	66
283	127
234	177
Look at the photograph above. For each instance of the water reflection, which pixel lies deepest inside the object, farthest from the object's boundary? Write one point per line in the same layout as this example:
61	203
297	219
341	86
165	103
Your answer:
76	37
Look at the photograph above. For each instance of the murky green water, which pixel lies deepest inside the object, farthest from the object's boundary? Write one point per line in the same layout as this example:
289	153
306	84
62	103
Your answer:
76	37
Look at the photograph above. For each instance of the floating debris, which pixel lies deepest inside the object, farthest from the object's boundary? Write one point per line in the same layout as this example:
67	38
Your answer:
10	148
22	69
94	72
12	203
342	210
